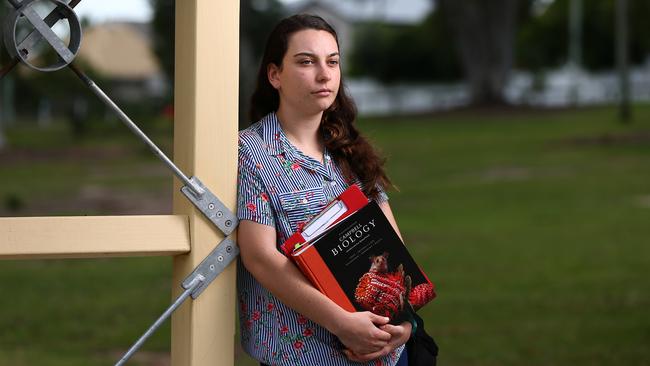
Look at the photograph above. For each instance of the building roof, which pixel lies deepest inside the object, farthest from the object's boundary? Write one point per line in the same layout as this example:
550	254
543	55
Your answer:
120	50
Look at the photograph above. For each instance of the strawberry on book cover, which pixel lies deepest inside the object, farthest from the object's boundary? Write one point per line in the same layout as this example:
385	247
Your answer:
361	264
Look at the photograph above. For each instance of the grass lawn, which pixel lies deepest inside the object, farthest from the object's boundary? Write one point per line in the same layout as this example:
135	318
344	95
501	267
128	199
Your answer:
533	225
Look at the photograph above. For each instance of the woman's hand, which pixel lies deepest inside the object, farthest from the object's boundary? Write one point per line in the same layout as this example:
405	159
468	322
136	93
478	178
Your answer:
400	334
361	332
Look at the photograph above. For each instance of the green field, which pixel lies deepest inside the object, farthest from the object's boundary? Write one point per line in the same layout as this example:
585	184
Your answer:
534	225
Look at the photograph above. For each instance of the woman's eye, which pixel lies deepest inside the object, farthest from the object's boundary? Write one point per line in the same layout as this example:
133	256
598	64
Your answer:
334	62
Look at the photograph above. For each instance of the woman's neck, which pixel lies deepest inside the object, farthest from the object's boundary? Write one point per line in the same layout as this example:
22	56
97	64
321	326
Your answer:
302	131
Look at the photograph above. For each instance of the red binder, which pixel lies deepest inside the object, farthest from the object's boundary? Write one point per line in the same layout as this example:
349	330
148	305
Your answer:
352	198
318	250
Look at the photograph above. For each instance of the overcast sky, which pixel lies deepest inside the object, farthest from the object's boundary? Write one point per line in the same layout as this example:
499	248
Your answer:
102	10
135	10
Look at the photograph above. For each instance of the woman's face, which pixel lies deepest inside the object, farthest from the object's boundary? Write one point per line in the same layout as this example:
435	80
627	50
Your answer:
308	80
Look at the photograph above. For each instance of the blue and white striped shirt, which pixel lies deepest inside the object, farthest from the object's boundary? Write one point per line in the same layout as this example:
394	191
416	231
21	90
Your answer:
279	186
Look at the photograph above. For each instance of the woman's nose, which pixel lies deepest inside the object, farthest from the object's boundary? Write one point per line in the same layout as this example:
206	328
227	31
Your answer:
324	74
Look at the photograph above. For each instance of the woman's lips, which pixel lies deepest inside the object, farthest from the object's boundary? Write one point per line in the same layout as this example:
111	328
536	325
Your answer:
322	92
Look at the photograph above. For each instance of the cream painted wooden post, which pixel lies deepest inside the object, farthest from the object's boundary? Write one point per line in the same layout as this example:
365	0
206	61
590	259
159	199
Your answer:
205	145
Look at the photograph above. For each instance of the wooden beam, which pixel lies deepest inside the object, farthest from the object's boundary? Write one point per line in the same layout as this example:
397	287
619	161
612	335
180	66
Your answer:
205	145
93	236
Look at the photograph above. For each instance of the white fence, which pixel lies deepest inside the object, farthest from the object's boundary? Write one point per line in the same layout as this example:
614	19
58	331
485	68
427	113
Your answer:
557	88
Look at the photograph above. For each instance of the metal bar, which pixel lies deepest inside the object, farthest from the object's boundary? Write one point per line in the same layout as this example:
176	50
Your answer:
200	196
57	44
159	322
134	128
51	19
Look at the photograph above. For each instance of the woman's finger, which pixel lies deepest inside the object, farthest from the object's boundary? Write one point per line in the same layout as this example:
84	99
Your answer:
371	356
381	335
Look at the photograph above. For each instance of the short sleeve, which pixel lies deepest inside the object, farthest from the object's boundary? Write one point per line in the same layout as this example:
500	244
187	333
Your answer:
252	198
381	194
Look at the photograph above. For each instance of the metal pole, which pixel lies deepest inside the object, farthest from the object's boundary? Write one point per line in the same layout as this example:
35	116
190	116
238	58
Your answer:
133	127
575	47
158	322
622	59
575	26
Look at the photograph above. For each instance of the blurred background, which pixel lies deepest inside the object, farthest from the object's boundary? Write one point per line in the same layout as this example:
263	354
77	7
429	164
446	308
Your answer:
517	131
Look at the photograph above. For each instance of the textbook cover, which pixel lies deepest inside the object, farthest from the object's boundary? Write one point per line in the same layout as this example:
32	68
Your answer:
362	265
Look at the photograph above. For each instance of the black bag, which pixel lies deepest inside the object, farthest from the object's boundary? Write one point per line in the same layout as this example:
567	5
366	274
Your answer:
422	349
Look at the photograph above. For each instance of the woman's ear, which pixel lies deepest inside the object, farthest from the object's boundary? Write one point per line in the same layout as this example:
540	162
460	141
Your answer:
273	73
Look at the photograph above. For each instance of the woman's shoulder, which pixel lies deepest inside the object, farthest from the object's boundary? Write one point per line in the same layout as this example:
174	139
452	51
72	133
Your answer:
260	137
254	143
252	137
251	142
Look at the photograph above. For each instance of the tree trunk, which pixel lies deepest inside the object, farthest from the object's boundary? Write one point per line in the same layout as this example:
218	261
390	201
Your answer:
484	32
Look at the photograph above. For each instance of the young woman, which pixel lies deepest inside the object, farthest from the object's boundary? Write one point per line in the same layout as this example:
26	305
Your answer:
302	153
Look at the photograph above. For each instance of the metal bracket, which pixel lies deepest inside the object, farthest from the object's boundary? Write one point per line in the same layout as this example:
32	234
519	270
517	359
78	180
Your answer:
213	209
211	266
220	257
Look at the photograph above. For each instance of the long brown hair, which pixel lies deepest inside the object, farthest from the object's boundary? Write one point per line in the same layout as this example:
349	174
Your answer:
354	154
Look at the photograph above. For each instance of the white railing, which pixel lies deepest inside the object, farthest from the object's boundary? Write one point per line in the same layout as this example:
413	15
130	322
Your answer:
557	88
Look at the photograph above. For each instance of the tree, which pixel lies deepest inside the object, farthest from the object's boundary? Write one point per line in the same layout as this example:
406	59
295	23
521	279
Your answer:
484	33
542	41
396	53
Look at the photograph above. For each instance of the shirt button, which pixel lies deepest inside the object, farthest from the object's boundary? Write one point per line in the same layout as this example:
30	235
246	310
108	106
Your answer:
333	183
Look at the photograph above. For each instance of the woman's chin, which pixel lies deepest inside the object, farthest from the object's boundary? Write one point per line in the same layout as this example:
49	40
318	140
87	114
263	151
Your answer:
315	106
323	105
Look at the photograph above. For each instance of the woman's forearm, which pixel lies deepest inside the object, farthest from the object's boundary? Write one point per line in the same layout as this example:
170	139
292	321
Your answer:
277	274
358	331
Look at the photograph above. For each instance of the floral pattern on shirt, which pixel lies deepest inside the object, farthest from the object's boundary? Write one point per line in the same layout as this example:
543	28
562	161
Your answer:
295	337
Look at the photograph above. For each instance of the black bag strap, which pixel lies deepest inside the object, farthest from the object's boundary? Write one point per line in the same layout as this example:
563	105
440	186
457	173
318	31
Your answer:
422	349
